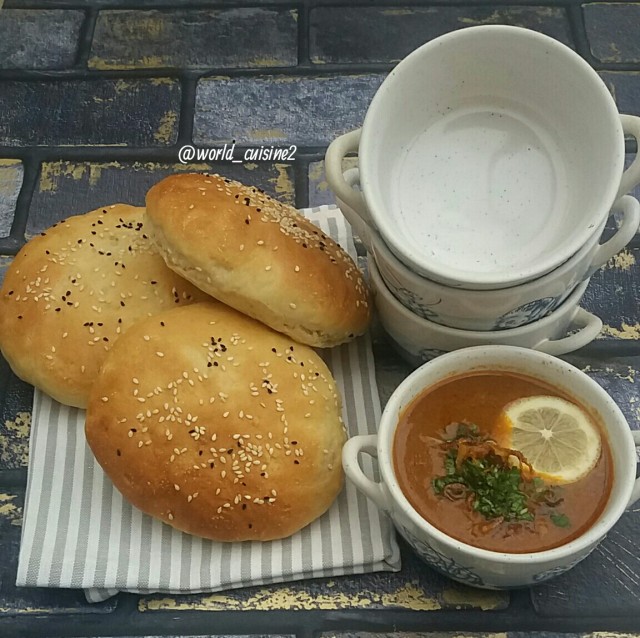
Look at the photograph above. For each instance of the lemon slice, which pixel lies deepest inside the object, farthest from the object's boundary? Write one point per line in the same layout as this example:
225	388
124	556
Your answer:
558	439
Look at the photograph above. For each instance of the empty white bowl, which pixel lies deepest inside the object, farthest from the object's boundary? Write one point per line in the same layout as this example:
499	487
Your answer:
488	157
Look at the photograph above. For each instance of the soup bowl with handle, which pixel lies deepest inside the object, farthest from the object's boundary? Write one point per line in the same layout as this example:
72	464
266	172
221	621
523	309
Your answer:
493	309
488	156
458	560
419	339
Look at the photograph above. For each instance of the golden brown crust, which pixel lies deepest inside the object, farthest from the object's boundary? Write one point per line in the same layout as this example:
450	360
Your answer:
219	426
72	290
259	256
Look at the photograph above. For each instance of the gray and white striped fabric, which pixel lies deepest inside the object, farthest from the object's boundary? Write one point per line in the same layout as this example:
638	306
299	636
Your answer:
79	532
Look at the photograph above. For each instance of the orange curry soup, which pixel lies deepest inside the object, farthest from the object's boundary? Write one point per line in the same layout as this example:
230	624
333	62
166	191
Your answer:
562	513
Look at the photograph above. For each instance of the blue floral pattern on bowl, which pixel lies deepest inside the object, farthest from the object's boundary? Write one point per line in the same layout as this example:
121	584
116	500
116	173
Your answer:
531	311
414	303
440	562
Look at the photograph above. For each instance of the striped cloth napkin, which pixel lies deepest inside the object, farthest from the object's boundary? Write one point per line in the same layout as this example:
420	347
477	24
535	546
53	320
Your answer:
79	532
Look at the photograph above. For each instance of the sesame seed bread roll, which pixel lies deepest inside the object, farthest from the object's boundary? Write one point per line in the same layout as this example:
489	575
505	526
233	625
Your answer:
72	290
259	256
217	425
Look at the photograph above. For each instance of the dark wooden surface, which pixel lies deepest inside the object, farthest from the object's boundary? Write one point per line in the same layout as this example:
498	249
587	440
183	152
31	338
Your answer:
96	97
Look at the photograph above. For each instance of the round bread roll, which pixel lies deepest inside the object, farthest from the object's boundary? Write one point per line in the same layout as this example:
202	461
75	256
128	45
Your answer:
259	256
219	426
72	290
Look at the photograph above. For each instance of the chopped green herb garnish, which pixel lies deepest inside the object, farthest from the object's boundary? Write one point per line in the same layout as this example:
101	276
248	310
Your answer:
495	487
492	479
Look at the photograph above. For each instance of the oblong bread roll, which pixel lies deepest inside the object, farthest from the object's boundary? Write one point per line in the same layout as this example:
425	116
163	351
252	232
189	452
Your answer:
259	256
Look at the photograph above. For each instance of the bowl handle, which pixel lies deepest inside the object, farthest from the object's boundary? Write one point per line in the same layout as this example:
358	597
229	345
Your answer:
631	177
350	463
630	209
590	327
635	492
338	149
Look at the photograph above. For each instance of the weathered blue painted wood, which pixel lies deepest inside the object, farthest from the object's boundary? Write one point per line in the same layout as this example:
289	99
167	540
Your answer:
299	110
613	295
606	583
228	38
625	87
89	112
11	172
612	30
39	39
345	35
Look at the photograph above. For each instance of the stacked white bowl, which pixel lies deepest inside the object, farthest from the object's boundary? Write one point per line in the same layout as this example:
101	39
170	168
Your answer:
489	162
425	318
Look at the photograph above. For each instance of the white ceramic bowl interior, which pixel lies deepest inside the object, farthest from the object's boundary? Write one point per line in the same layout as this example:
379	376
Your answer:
489	156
